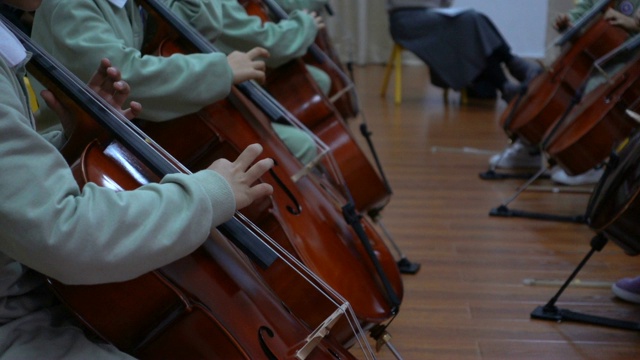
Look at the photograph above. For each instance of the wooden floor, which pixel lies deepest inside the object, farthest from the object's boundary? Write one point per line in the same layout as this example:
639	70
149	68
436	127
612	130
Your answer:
470	299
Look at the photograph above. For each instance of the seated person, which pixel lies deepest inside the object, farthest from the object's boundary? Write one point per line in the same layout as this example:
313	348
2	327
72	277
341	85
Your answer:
461	50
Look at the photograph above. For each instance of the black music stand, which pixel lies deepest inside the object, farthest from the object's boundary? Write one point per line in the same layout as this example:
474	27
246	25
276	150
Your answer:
551	312
504	211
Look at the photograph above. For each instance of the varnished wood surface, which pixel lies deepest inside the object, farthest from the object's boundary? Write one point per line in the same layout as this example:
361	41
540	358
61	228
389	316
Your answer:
469	300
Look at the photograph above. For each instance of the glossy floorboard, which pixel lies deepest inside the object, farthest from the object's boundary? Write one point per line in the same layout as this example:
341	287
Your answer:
471	299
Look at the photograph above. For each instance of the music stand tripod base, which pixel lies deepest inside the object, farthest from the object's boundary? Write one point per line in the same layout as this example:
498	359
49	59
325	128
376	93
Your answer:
555	314
494	175
407	267
504	211
551	312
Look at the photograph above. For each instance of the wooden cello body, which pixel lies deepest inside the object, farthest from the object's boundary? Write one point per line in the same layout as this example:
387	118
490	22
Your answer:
312	108
367	186
614	207
551	93
304	217
210	304
585	137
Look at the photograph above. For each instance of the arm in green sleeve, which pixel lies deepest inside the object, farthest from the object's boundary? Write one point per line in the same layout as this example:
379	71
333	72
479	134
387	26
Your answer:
95	234
311	5
204	15
285	40
167	87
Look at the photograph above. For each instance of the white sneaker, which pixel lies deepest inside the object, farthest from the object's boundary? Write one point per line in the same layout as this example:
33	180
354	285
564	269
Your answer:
588	178
517	155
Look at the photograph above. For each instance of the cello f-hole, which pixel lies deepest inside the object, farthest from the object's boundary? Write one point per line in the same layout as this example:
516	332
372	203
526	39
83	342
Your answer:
263	343
296	209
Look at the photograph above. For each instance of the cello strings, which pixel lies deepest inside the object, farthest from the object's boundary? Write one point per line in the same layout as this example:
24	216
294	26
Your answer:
350	87
70	81
302	270
294	121
292	262
197	40
319	284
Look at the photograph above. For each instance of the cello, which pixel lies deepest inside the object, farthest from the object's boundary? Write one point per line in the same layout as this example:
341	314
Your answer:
584	138
311	225
316	112
320	115
552	93
321	54
613	209
578	133
210	304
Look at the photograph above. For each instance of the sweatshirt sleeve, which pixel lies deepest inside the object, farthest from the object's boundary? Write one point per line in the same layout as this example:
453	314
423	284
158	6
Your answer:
311	5
81	32
204	15
285	40
94	234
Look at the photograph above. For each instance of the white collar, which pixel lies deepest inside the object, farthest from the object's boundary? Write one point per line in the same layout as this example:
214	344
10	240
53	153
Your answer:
118	3
10	48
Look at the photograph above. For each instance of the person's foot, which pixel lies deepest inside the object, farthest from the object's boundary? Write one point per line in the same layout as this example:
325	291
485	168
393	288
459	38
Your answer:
590	177
627	289
522	69
482	89
517	155
510	90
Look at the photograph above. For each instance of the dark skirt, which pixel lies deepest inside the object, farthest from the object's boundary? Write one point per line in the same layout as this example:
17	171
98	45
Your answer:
455	48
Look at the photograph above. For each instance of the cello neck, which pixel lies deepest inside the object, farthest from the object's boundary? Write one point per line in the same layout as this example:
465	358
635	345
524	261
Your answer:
276	9
627	47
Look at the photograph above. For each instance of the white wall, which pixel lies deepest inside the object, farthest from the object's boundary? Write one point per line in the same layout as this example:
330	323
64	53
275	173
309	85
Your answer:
523	23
